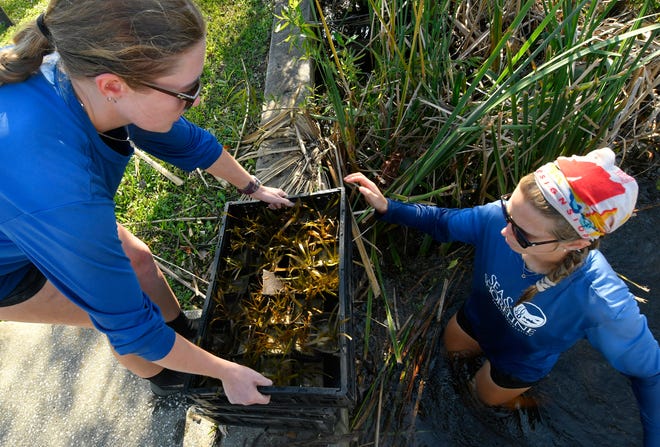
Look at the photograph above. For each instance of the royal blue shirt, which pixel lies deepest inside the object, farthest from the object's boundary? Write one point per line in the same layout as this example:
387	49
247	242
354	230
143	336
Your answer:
57	207
525	341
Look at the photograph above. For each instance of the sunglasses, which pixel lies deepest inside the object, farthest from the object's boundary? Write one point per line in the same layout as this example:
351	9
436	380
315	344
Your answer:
518	232
188	97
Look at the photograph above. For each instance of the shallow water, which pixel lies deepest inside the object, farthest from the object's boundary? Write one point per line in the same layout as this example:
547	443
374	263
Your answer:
584	402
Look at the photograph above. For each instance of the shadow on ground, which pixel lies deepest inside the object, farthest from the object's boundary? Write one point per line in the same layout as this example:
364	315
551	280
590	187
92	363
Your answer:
61	386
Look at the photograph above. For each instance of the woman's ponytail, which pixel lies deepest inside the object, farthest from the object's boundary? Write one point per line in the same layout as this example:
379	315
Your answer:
22	59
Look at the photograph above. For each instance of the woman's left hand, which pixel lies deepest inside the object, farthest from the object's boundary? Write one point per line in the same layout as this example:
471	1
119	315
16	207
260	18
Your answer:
275	197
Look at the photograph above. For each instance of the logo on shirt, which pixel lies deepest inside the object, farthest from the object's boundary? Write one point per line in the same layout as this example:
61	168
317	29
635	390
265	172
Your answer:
525	317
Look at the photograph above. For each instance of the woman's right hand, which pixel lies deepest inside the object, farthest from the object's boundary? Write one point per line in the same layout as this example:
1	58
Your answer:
239	382
369	190
240	385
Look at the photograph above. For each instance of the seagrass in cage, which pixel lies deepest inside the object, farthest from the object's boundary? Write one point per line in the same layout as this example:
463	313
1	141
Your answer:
279	302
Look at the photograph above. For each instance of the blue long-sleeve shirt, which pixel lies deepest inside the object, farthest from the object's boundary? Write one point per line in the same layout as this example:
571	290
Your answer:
525	341
57	210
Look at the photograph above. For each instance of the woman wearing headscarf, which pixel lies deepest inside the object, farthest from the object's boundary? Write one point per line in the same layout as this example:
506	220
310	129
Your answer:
540	283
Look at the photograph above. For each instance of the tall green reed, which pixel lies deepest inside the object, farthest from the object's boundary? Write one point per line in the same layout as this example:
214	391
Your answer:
558	93
498	88
453	101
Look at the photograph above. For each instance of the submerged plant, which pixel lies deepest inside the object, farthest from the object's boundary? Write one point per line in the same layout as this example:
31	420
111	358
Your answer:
276	289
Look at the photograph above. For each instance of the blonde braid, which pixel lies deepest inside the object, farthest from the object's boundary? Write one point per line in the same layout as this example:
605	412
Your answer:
562	231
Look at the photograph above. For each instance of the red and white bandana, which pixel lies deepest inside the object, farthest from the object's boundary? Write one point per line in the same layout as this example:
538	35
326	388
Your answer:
593	195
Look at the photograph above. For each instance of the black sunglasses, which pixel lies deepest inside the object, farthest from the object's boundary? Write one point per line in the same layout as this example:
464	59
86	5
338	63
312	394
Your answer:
518	232
188	97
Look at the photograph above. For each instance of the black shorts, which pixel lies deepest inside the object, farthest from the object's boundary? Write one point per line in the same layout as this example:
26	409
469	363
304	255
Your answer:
500	378
31	283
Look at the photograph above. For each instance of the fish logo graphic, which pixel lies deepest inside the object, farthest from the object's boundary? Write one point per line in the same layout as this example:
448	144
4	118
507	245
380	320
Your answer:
529	315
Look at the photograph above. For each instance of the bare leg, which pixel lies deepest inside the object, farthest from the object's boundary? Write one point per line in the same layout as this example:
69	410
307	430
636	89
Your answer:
49	306
137	365
492	394
153	283
151	279
458	342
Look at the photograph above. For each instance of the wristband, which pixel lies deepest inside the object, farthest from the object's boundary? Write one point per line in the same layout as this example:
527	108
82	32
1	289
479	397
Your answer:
252	187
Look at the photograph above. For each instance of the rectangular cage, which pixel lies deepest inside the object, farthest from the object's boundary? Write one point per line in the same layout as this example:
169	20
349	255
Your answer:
280	302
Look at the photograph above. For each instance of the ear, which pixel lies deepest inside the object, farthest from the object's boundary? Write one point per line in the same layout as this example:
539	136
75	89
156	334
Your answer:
578	244
110	85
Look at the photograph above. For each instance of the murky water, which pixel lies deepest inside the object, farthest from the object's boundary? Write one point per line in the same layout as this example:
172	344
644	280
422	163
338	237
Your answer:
584	402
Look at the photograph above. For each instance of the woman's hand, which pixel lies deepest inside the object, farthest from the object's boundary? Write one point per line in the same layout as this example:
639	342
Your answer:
240	384
369	190
275	197
226	167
